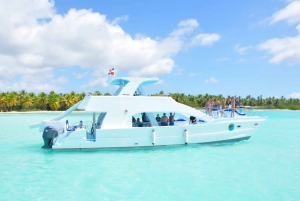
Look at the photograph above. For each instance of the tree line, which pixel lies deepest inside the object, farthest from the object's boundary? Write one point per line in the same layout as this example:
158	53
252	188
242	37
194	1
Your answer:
28	101
269	102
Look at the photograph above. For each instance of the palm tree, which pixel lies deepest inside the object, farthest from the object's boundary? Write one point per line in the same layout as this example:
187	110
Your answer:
282	99
54	102
21	95
63	101
176	97
42	99
269	101
27	101
276	102
12	99
183	99
200	100
70	100
4	101
1	100
219	98
97	93
74	96
81	96
228	100
252	102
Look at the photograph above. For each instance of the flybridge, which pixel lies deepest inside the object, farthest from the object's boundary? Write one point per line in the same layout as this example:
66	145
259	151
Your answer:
131	86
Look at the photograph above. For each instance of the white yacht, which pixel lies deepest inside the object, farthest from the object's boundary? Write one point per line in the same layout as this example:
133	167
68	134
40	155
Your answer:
112	122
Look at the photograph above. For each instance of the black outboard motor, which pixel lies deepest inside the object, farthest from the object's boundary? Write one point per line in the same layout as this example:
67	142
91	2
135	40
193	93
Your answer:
48	135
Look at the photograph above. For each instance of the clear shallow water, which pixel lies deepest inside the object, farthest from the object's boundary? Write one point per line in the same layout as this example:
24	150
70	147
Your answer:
266	167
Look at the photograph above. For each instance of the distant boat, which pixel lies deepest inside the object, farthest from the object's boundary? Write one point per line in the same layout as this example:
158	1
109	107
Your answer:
112	123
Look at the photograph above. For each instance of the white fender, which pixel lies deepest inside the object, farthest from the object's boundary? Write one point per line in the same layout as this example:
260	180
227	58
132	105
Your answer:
153	136
186	135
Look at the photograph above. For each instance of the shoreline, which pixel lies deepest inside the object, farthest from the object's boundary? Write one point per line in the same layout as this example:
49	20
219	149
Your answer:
35	112
45	111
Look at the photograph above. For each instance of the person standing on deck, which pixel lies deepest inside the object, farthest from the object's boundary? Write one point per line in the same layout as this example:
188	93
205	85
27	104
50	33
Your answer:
232	106
164	120
171	119
138	123
223	105
208	107
215	107
241	107
217	104
144	117
237	103
158	118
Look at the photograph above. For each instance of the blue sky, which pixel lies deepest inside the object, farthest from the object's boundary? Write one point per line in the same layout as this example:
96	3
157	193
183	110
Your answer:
215	47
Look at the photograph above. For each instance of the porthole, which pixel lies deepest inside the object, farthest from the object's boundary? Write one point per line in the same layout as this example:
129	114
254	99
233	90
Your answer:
231	127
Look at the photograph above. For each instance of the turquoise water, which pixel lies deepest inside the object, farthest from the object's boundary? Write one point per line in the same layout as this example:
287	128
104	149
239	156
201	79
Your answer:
266	167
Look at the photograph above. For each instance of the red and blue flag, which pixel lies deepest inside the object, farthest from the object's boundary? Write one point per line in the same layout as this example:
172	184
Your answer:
111	71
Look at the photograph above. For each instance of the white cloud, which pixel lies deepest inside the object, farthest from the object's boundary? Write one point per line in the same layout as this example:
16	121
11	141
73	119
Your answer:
160	82
283	49
241	50
61	80
35	40
211	80
193	74
80	75
99	79
291	13
120	19
185	27
205	39
294	95
163	66
38	80
178	71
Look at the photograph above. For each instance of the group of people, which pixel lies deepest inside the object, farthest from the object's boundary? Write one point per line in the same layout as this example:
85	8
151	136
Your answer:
138	123
164	120
219	106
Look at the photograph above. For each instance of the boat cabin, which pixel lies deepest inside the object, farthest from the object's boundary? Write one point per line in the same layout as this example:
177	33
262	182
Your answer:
128	103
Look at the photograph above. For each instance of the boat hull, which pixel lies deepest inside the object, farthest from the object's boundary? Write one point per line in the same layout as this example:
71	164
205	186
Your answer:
220	130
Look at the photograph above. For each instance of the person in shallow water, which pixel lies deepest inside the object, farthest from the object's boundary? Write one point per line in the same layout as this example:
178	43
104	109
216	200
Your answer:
164	120
171	119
